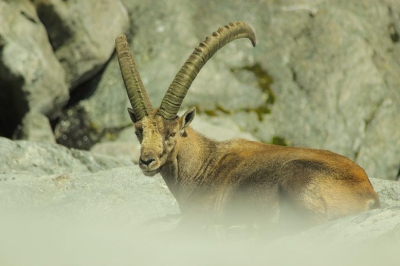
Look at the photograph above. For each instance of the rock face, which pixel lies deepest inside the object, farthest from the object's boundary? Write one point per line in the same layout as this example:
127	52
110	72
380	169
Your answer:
31	77
37	66
323	74
82	33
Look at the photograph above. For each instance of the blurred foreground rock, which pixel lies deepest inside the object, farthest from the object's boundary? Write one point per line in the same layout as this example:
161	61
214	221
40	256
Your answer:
55	202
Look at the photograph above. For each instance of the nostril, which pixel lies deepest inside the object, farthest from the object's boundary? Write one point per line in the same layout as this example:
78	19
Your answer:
147	161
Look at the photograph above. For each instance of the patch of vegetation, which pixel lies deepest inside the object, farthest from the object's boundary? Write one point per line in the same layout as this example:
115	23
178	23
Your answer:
276	140
218	109
260	111
264	81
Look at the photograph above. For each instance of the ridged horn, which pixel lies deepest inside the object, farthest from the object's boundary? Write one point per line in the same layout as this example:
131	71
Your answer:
133	83
180	85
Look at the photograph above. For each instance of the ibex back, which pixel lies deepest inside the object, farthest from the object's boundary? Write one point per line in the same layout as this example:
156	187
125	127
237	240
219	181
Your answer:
236	181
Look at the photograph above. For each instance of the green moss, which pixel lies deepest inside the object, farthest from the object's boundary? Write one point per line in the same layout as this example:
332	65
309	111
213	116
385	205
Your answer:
223	110
110	135
93	127
218	109
264	81
210	112
279	141
260	111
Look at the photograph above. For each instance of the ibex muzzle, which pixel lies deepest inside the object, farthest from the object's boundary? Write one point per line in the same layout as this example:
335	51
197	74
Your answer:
236	181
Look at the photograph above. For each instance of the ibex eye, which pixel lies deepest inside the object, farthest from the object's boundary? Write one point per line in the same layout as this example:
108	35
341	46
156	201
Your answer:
171	135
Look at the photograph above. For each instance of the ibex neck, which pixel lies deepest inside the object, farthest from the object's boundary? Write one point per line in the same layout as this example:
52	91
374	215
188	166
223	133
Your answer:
190	165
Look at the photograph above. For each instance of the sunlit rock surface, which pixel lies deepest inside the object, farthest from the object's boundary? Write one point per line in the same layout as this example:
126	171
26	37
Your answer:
82	33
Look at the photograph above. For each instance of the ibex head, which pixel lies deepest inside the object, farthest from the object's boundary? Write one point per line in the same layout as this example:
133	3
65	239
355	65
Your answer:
160	130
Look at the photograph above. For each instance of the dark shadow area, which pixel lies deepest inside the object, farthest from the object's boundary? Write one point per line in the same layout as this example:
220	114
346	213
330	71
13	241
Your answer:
12	101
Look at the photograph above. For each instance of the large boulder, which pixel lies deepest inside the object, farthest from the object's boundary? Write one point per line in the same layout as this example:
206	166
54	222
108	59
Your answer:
82	33
31	77
323	75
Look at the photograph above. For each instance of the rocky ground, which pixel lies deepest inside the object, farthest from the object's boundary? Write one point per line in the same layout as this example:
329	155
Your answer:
324	74
69	207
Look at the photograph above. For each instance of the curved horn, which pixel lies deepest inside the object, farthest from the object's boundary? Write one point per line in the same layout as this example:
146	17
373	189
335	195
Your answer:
177	90
134	86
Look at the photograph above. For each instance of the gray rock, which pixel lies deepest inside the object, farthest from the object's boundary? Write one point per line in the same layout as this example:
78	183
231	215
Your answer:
388	191
40	158
119	149
220	128
31	77
35	127
82	33
379	153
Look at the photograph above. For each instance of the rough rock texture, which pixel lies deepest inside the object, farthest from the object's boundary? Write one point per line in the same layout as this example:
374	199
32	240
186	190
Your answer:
324	74
31	77
35	127
40	158
82	33
56	202
119	149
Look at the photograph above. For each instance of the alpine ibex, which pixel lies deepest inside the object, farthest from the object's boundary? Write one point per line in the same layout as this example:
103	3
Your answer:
236	181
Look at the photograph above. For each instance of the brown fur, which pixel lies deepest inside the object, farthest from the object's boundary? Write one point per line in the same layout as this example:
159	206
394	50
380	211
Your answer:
246	182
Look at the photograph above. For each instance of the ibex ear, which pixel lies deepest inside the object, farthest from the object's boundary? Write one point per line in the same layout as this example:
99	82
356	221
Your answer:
132	115
187	117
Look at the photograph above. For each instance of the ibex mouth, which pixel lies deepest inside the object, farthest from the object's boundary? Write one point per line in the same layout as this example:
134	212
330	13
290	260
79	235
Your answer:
152	172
